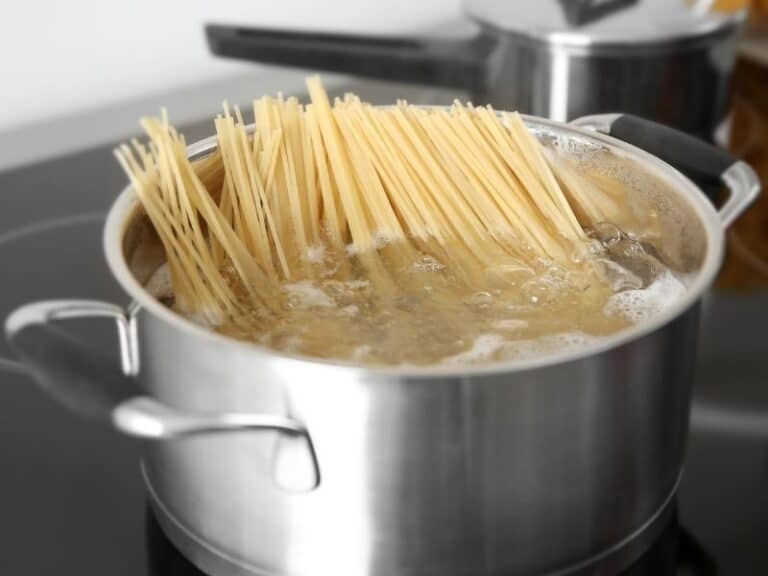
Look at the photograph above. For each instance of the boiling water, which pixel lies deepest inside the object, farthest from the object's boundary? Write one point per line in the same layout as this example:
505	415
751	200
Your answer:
418	310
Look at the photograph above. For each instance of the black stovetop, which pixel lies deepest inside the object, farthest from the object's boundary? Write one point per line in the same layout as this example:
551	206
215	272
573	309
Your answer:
71	499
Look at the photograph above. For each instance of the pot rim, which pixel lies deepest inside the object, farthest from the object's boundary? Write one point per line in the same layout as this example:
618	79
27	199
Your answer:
127	203
703	33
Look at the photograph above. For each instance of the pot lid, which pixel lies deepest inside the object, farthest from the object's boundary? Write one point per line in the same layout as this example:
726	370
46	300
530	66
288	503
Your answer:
586	22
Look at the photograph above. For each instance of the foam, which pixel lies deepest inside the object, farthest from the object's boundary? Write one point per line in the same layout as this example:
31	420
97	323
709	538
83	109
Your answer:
427	263
307	295
641	305
360	353
315	254
492	346
510	324
356	284
483	348
350	311
550	344
380	240
159	284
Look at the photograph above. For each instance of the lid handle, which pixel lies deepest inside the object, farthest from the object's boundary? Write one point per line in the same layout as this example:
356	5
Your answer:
583	12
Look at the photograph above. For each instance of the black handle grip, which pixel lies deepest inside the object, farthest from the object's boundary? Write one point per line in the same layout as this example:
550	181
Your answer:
583	12
702	162
445	63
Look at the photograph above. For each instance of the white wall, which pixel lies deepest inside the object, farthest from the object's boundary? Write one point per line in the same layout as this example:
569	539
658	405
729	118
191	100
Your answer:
64	57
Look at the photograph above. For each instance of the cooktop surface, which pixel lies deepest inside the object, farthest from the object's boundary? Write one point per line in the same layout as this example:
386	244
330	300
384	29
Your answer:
71	497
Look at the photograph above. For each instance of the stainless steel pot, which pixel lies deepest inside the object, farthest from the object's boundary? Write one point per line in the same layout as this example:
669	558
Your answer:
667	60
263	463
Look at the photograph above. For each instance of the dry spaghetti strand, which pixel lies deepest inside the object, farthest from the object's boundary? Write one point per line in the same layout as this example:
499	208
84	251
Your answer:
463	184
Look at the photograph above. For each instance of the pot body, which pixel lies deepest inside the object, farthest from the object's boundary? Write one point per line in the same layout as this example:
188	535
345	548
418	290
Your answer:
527	472
683	83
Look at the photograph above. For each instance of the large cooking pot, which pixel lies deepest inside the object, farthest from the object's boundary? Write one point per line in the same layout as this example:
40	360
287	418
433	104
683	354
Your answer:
666	60
258	462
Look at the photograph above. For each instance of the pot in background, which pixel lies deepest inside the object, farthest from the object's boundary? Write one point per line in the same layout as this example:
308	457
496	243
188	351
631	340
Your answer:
666	60
262	463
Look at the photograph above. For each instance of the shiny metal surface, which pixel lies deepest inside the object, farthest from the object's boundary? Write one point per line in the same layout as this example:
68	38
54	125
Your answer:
12	366
447	475
598	122
744	186
52	310
142	416
527	467
215	561
714	420
563	81
594	22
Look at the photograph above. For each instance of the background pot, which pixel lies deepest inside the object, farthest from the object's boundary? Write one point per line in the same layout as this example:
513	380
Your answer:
666	60
273	464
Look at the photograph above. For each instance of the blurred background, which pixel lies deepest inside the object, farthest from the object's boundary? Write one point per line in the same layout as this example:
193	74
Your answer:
83	60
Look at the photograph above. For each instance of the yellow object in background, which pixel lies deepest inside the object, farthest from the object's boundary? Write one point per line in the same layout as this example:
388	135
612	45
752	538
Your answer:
730	5
759	7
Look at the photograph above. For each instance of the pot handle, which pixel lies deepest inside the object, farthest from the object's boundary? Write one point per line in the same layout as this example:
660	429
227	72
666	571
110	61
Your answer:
458	63
88	383
702	162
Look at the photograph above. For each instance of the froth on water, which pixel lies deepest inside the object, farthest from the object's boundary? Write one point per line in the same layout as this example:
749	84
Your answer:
417	309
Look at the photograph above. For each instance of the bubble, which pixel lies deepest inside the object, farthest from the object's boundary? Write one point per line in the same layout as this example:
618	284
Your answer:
633	256
547	287
641	305
606	233
427	263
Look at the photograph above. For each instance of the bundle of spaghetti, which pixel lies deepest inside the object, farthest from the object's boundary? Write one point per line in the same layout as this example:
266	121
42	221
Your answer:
181	210
465	185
